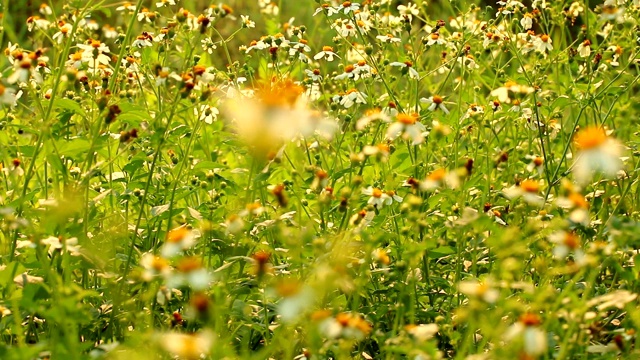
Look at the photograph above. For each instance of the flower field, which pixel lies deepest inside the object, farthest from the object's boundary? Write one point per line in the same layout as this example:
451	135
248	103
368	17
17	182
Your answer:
319	179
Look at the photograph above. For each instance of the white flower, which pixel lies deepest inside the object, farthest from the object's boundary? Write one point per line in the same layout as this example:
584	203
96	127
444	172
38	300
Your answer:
54	243
567	243
326	53
178	239
584	49
435	102
528	190
410	10
187	346
207	113
422	332
597	153
527	330
527	21
347	7
543	43
407	67
189	272
407	126
480	290
378	198
246	22
296	298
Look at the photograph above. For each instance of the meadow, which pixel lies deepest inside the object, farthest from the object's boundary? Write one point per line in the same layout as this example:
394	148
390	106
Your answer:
319	179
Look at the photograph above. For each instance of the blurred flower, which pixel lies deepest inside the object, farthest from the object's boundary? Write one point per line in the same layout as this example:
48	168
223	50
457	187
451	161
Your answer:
188	346
567	243
597	153
153	266
55	243
189	272
407	126
527	330
177	240
479	290
296	298
435	102
422	332
343	325
527	189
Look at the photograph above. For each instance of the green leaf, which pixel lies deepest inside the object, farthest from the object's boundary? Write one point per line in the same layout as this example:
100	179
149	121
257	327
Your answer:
441	251
68	104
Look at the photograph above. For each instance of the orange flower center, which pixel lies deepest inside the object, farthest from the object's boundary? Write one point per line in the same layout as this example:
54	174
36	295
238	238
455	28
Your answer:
407	119
530	186
590	138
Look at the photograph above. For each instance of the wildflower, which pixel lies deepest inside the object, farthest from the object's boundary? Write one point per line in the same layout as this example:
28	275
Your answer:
566	243
584	49
343	325
126	6
9	96
578	205
314	74
527	329
510	87
189	272
528	190
435	102
347	7
389	38
597	153
234	224
407	126
379	198
350	98
63	31
380	151
153	266
537	163
369	116
326	53
527	21
435	39
479	290
208	113
163	3
261	265
407	67
188	346
246	22
296	297
362	218
422	332
410	10
178	239
55	243
543	43
276	113
438	178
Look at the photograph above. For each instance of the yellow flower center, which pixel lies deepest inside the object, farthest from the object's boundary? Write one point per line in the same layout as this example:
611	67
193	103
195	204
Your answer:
376	193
